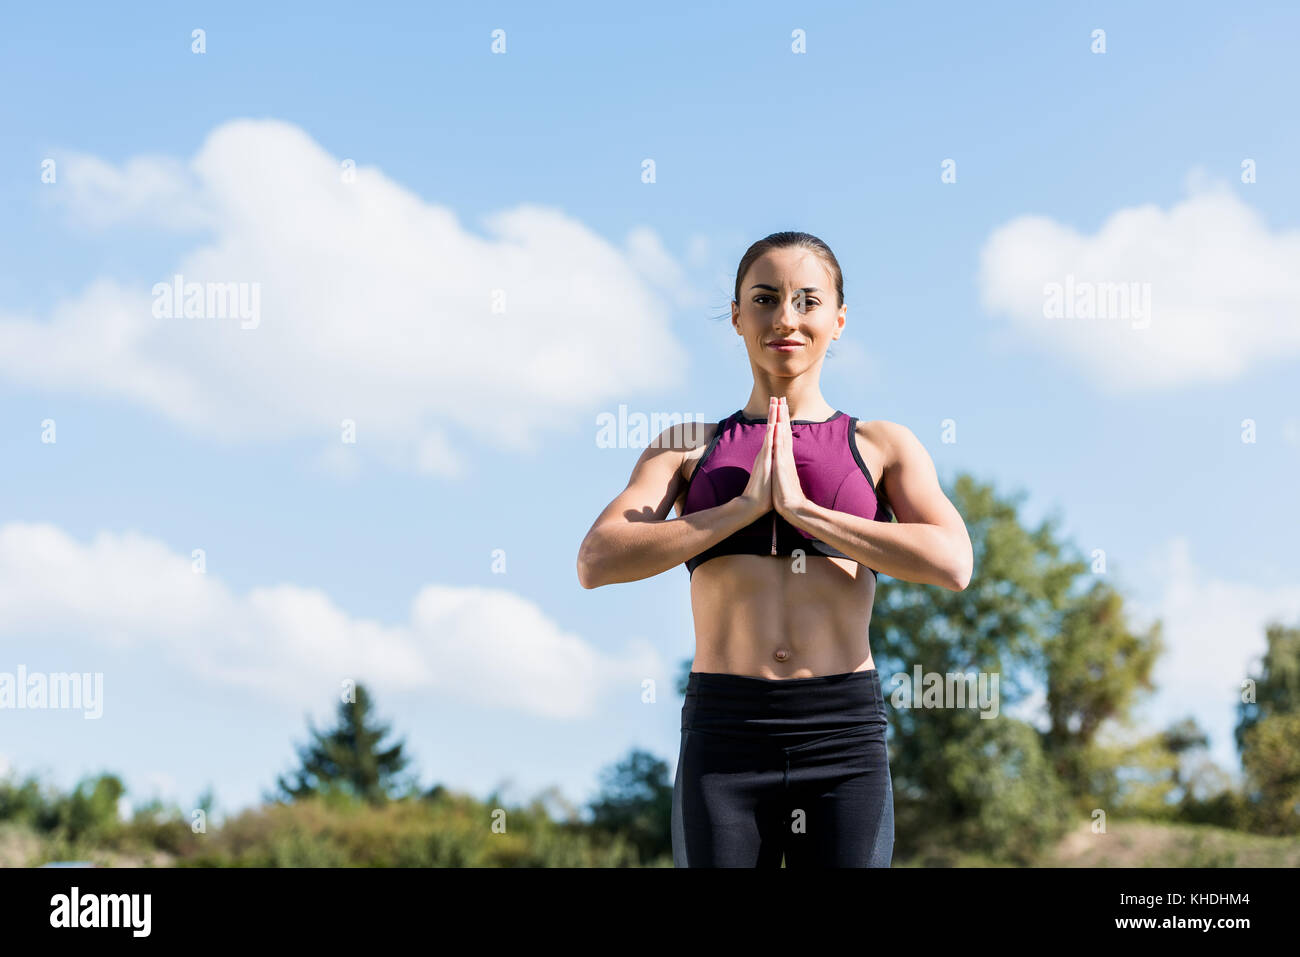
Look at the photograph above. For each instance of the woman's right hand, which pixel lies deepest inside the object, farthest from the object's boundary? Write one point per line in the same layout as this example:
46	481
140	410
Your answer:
758	491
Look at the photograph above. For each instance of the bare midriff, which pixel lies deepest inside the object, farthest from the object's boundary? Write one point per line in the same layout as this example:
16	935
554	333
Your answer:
780	616
754	615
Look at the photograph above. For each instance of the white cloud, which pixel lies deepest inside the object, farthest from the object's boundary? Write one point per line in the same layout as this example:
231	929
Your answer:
647	254
375	305
1224	289
436	455
485	645
157	190
698	250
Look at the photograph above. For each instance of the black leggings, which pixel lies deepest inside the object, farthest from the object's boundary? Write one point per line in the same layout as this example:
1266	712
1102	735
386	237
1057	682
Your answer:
793	766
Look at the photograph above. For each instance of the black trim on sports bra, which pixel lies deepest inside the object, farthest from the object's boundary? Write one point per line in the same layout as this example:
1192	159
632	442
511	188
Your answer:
857	457
881	495
704	457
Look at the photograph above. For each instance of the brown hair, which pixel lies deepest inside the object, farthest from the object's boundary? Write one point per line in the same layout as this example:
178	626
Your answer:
787	239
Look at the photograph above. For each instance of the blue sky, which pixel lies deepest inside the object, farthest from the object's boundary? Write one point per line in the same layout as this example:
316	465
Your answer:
520	172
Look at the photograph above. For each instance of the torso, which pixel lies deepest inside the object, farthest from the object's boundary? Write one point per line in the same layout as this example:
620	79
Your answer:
748	609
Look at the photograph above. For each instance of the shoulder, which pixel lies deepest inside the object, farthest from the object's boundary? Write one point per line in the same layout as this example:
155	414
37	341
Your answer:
684	441
891	441
882	430
686	437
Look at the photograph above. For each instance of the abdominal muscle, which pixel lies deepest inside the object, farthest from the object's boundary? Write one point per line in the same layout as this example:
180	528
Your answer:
754	615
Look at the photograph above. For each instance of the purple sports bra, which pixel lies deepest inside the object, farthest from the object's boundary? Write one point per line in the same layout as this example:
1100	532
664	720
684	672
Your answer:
830	469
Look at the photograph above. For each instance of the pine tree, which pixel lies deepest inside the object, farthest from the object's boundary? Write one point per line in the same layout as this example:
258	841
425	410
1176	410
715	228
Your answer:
348	758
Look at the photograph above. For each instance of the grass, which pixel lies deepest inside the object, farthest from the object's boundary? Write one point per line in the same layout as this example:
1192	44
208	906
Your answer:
317	836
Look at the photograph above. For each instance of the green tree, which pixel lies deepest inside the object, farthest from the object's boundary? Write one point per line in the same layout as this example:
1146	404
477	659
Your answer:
1155	777
1204	791
1268	728
1182	739
349	758
636	802
1275	688
29	803
91	809
1271	760
1097	668
1037	619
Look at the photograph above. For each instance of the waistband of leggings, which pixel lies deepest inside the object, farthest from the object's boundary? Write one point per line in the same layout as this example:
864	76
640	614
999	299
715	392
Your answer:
848	694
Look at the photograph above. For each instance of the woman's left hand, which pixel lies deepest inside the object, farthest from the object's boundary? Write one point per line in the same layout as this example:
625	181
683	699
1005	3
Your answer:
787	493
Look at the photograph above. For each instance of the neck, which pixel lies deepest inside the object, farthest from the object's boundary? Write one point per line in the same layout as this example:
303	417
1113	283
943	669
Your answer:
803	403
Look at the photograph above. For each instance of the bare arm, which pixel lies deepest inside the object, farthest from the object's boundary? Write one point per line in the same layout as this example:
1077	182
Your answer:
928	545
630	539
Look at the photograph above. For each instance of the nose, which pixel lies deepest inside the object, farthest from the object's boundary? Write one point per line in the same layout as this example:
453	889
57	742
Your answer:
795	307
788	319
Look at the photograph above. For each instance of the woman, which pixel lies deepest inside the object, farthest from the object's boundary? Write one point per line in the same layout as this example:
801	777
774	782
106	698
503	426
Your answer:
783	750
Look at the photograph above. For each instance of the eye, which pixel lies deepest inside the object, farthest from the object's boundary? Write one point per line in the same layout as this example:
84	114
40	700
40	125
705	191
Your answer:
808	300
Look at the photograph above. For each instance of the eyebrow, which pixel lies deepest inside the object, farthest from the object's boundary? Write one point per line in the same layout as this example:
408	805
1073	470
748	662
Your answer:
760	285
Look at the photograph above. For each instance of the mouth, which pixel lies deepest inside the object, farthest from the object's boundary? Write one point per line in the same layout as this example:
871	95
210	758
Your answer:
784	345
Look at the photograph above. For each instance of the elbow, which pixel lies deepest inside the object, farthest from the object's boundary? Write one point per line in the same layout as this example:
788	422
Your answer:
585	577
587	565
959	575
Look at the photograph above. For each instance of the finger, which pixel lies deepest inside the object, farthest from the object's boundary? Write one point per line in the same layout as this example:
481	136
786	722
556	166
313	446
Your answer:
776	422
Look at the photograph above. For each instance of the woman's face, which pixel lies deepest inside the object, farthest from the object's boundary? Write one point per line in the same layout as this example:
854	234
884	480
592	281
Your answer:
787	313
